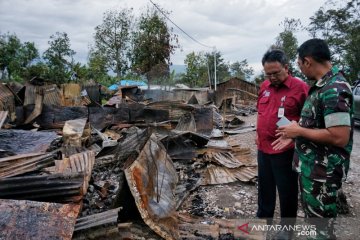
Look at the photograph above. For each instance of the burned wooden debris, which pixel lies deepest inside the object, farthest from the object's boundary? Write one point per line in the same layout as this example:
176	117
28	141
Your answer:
22	141
131	157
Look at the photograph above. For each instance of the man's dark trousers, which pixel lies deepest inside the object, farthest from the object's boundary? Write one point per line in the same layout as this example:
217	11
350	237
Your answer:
275	171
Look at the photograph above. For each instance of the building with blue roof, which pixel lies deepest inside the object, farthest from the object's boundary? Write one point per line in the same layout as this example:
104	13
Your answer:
126	82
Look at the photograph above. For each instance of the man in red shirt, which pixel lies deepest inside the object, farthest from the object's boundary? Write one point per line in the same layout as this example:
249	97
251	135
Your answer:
280	95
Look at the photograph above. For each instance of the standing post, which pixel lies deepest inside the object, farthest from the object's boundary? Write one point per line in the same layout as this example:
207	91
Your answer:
215	68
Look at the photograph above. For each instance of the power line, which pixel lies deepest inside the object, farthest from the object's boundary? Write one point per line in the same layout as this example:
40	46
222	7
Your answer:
179	27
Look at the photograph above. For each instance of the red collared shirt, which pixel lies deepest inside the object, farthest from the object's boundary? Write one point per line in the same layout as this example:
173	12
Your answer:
291	94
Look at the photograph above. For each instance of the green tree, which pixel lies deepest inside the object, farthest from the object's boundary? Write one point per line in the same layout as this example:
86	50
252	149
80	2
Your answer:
195	70
97	66
241	70
15	57
222	68
9	45
338	23
113	40
153	43
59	57
288	43
26	56
39	69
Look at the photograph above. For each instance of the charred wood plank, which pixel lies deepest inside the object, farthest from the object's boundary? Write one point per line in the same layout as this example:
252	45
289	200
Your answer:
51	116
101	118
204	119
141	113
128	150
175	108
21	141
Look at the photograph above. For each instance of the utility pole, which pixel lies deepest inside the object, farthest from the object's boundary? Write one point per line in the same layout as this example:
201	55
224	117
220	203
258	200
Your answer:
214	68
208	68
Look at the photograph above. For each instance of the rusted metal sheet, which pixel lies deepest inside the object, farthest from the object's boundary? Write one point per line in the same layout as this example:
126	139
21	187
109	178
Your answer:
233	122
204	119
156	95
175	108
186	123
39	100
73	130
218	144
131	92
191	227
51	94
61	188
129	149
222	91
18	92
243	147
181	145
70	94
193	100
241	130
23	163
3	116
96	220
21	141
81	162
244	174
152	179
36	220
220	175
7	102
201	95
225	159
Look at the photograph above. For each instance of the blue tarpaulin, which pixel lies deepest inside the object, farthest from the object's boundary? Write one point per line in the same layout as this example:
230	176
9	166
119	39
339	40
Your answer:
126	83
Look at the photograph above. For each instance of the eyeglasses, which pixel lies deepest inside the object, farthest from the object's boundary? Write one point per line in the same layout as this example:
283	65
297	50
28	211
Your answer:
275	75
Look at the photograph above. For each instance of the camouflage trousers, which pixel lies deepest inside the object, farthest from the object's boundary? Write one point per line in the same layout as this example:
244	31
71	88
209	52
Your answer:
318	200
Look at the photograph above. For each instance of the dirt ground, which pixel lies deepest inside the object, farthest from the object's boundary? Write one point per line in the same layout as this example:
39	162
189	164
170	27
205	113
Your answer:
239	200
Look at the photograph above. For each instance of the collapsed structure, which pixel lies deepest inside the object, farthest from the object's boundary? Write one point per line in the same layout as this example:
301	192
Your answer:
73	168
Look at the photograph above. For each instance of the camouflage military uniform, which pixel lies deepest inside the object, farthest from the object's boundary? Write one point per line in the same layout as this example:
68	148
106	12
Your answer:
323	167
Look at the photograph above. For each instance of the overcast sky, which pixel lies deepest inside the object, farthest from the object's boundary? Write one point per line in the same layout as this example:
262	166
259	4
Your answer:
239	29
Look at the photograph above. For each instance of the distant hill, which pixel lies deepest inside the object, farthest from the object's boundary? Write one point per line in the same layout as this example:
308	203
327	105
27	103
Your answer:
178	68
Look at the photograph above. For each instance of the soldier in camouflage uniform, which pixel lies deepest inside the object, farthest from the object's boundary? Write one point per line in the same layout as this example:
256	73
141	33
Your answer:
323	136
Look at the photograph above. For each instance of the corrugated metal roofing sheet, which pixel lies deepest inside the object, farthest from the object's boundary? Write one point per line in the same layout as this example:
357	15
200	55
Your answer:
7	101
3	116
51	94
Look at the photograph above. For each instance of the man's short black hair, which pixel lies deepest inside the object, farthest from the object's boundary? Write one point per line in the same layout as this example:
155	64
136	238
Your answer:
275	55
315	48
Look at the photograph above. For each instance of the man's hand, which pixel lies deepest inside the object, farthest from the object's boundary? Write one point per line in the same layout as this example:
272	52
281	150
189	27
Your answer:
281	142
289	131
